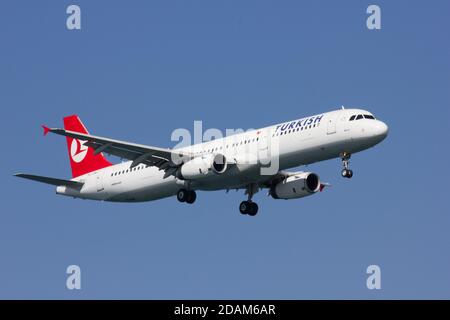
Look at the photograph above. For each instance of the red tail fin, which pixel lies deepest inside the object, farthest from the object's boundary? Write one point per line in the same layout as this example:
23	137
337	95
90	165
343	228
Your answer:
82	158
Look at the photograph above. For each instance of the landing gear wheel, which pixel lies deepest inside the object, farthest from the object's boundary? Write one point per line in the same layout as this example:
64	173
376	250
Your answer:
248	207
347	173
253	209
182	195
187	196
191	196
244	207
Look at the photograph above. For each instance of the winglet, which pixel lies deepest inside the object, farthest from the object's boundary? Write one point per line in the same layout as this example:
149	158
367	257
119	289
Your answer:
46	129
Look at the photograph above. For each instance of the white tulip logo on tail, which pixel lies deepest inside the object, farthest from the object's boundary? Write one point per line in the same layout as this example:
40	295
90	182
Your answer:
78	150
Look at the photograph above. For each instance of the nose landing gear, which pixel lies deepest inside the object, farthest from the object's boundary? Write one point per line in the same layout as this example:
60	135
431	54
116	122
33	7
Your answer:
346	172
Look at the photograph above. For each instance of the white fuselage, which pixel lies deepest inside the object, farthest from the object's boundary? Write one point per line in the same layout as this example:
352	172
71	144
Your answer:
287	145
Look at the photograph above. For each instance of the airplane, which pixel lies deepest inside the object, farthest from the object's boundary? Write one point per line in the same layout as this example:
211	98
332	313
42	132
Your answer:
233	162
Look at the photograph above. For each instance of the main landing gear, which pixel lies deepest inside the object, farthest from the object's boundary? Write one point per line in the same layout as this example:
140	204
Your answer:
187	196
249	207
346	172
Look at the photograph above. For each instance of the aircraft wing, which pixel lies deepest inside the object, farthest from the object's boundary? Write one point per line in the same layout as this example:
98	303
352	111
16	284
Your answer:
48	180
163	158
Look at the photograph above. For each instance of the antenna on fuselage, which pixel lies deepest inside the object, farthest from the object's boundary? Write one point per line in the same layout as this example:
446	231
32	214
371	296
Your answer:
342	107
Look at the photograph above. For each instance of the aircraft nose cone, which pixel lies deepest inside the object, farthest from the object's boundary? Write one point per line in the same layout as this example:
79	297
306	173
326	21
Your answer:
384	129
381	129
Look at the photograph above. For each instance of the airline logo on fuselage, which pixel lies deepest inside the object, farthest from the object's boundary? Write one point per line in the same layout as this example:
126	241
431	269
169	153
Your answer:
298	123
78	150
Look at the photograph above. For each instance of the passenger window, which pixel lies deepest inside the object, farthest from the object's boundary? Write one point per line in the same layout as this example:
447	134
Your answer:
359	117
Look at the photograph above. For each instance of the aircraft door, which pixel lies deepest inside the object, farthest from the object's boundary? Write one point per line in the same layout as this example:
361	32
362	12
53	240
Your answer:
263	146
99	183
331	124
268	153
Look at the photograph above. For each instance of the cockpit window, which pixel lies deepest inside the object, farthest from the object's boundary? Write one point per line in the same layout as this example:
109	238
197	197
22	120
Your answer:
360	116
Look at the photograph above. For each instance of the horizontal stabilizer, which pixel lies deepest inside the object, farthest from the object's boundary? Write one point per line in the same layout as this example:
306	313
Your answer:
53	181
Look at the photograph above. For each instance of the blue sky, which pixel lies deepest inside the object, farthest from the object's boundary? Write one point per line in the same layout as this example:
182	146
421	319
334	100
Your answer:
137	71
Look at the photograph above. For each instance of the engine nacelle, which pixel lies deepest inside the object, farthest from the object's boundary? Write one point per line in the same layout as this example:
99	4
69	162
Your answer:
201	167
296	186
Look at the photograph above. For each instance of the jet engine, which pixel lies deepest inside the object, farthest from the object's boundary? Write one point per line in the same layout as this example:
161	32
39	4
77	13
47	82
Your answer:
201	167
296	186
